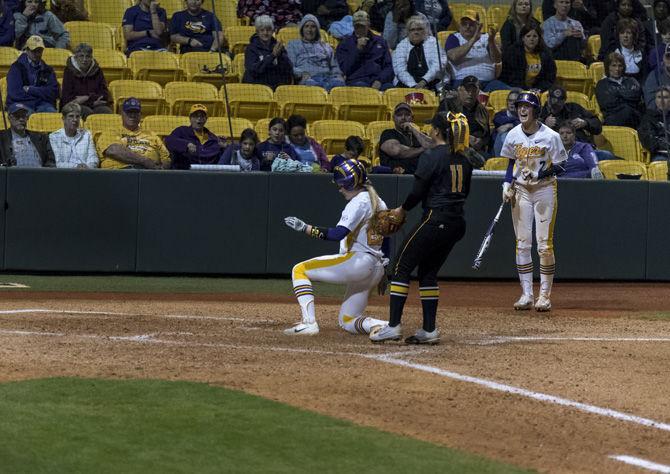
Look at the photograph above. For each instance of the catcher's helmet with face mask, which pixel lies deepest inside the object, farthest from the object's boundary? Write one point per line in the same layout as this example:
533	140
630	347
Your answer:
350	174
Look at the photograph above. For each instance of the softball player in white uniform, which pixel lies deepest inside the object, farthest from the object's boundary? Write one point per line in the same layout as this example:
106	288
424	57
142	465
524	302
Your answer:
360	263
536	155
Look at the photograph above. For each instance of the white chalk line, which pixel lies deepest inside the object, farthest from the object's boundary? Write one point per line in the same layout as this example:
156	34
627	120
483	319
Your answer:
643	463
503	339
543	397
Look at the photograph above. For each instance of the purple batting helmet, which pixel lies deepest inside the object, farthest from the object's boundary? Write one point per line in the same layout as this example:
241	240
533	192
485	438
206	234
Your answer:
350	174
530	98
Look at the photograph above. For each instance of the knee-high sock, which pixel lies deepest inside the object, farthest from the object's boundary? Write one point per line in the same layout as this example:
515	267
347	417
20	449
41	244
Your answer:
305	294
547	270
359	325
399	291
430	296
524	265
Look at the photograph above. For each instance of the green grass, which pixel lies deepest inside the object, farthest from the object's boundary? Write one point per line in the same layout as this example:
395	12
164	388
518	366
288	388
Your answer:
656	315
83	425
160	284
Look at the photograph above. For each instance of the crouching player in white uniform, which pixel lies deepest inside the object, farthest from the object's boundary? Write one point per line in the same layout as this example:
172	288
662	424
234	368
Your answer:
360	263
536	155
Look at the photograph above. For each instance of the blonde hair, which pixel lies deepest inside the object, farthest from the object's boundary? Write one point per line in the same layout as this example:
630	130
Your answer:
374	202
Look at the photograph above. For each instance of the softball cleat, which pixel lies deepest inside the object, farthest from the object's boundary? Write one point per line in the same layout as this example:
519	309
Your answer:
543	303
524	303
387	333
421	336
303	329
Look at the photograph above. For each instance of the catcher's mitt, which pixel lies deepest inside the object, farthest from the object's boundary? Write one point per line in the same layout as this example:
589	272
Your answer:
388	222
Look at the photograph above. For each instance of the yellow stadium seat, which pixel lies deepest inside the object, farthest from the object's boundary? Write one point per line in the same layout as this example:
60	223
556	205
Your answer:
195	64
538	14
45	122
107	11
7	57
354	5
98	123
219	126
160	67
238	37
309	101
573	76
290	33
97	35
174	6
331	134
443	35
361	104
3	89
496	15
250	101
163	125
498	100
596	72
496	164
593	46
457	10
623	142
238	67
113	64
373	131
613	169
149	93
422	112
180	96
595	107
228	14
262	129
56	58
657	171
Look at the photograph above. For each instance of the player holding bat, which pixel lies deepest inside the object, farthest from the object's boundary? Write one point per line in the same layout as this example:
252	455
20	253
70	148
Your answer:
536	156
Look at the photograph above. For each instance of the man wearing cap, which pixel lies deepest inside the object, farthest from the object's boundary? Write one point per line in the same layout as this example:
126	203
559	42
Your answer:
194	144
364	57
30	81
654	128
657	78
474	53
19	147
476	113
132	147
400	147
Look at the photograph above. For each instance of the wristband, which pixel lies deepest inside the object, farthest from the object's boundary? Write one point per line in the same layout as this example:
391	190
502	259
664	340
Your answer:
317	233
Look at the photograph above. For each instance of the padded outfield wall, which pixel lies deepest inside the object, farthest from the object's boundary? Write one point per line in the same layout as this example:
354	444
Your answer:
231	223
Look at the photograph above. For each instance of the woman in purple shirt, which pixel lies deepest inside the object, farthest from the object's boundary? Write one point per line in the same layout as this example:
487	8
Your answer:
145	26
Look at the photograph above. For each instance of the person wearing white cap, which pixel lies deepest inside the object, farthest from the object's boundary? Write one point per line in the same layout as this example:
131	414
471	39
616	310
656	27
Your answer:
32	82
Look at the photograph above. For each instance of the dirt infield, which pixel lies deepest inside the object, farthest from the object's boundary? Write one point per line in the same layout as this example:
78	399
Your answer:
558	393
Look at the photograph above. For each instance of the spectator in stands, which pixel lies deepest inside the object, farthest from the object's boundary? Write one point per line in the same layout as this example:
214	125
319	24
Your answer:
476	113
84	83
194	144
582	161
564	35
6	25
619	96
34	19
13	5
609	33
400	147
504	121
313	59
438	13
69	10
653	25
196	29
22	148
326	11
275	146
133	147
283	12
584	11
245	155
528	64
657	78
655	126
265	58
627	46
587	126
395	24
655	56
520	15
474	53
31	81
364	57
377	10
145	27
353	149
73	146
415	60
307	150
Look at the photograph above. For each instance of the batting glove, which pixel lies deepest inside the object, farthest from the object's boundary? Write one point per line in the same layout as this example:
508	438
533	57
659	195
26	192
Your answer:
507	192
295	224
